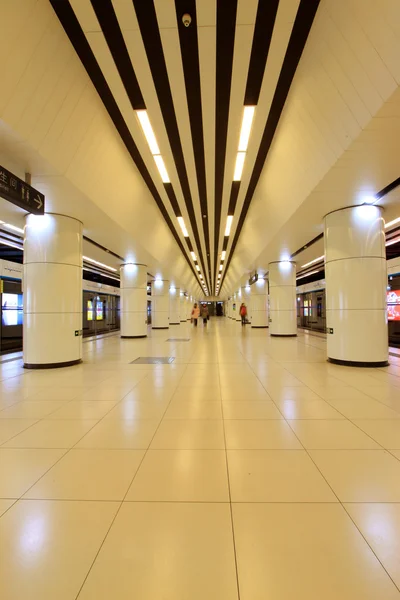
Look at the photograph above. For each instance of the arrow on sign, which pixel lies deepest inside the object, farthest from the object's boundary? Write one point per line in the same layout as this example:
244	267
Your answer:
39	202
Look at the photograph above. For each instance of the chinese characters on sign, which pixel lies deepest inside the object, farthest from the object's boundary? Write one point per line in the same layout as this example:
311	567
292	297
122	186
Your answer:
21	194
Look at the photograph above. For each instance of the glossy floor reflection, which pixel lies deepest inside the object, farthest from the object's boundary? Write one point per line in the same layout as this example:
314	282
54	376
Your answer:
248	468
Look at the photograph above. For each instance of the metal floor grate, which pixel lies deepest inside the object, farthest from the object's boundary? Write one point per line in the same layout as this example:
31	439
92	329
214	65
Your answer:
153	360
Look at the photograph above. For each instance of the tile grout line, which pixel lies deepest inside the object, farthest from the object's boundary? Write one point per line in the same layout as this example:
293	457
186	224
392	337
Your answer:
342	504
68	450
126	493
229	489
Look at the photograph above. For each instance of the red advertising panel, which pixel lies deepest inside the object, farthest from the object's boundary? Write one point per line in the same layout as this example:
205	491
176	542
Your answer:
393	302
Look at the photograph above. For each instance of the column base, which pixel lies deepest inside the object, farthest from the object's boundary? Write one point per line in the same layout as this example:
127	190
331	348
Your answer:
132	337
259	327
356	363
175	323
283	334
160	327
69	363
183	321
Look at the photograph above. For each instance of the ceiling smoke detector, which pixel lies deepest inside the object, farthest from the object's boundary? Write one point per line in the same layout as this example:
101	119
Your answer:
186	20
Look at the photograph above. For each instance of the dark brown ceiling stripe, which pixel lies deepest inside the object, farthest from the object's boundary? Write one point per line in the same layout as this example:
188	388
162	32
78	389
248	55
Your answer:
301	29
72	28
191	69
172	197
264	26
311	243
109	24
226	26
383	192
147	19
233	197
389	188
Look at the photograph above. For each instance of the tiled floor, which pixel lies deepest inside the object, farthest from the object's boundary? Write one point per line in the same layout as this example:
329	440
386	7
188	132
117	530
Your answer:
248	468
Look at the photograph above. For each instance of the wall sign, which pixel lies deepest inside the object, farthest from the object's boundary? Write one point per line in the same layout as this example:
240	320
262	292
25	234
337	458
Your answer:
253	279
16	191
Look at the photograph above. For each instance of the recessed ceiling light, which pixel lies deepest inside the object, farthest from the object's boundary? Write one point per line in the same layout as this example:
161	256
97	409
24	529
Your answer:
390	223
161	168
237	175
100	264
13	228
148	131
192	254
229	220
313	261
247	120
183	226
392	241
311	273
223	254
197	267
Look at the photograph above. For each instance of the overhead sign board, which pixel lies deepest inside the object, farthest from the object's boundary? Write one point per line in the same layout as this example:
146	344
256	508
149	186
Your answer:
15	190
253	279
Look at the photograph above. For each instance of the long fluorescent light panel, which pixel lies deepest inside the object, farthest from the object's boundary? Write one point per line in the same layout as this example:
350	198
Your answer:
161	168
148	131
248	114
229	220
237	176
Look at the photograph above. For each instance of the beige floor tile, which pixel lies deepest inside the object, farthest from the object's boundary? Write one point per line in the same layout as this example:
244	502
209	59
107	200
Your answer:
184	409
89	475
55	393
84	409
47	547
340	393
360	475
52	434
5	505
331	434
178	550
305	552
307	409
243	393
124	433
380	525
247	409
276	476
12	427
396	453
142	409
181	476
21	468
198	394
35	409
293	393
364	408
260	435
106	393
385	432
200	434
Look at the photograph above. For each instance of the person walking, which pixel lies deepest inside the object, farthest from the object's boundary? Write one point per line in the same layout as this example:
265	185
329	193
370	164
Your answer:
243	313
204	313
195	314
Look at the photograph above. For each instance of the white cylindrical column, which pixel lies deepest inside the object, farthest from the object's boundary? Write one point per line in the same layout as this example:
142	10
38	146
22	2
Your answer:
356	280
52	331
182	309
174	306
246	298
282	298
133	300
259	304
188	307
160	304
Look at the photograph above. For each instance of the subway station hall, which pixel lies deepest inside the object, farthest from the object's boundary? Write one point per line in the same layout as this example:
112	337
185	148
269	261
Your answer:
200	300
